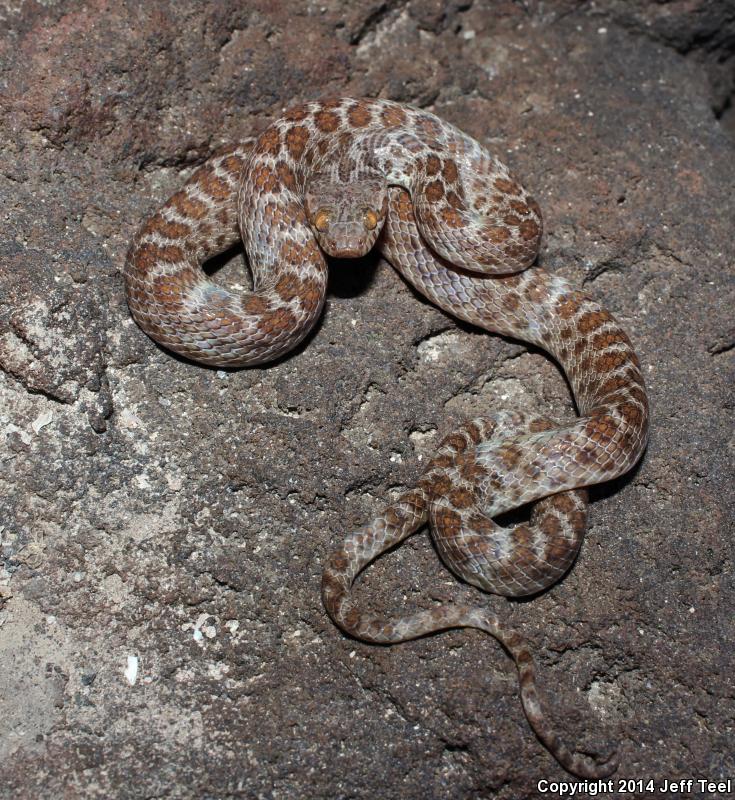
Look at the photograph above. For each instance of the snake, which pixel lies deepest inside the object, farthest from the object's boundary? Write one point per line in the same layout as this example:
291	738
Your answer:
334	178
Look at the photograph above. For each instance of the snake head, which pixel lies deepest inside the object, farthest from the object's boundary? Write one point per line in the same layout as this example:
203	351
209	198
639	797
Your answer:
346	218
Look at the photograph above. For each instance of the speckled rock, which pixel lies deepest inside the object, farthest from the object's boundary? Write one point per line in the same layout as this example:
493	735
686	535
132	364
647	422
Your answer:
163	525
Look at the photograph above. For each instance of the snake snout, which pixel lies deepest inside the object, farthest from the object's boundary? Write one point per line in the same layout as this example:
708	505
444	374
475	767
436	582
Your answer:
345	243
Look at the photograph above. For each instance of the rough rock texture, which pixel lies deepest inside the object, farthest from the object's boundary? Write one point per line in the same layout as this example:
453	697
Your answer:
155	509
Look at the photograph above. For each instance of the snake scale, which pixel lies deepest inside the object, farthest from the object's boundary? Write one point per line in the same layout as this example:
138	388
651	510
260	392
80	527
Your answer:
335	178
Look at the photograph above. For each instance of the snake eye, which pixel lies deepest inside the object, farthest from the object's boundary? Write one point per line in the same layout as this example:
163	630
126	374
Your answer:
371	219
321	221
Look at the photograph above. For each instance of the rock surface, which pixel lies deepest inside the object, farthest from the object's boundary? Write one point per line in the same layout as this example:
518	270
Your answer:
163	517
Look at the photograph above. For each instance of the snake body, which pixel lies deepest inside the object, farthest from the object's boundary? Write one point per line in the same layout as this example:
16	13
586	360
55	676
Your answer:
337	177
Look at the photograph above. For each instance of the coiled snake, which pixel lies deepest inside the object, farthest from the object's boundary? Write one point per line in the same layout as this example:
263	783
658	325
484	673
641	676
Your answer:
337	177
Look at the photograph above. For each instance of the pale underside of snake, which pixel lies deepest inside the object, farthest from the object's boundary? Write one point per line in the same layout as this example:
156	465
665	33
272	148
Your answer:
337	177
